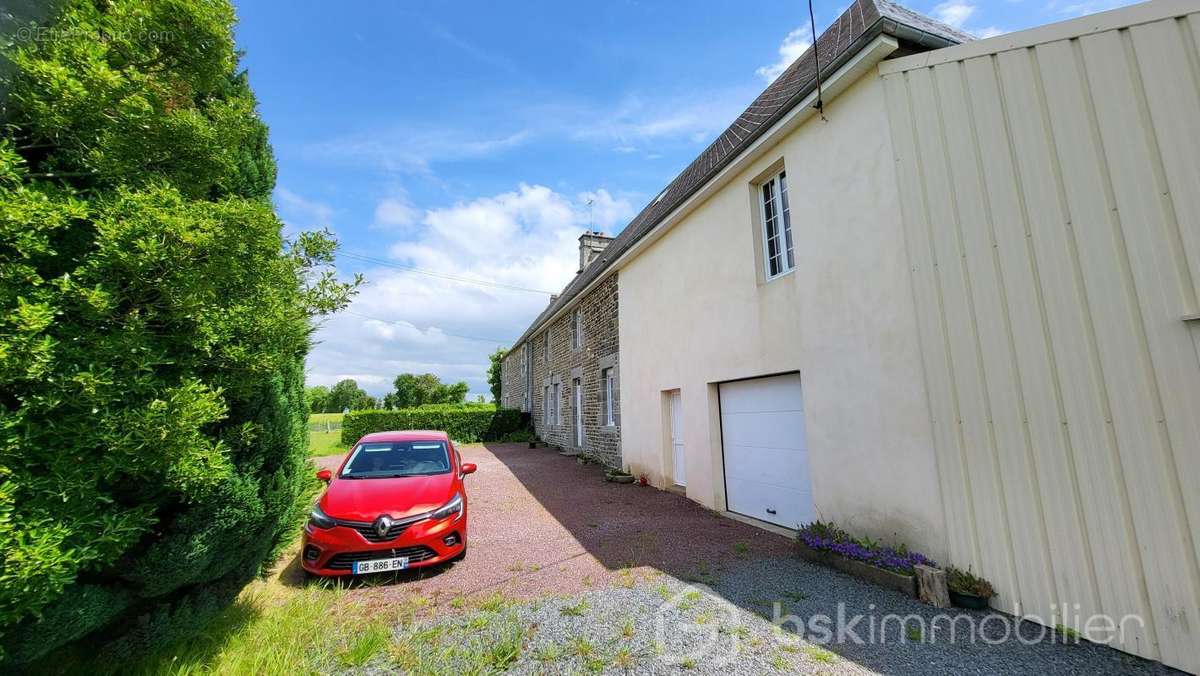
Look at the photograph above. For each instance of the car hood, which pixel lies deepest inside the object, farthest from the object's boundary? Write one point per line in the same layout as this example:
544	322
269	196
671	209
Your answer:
366	499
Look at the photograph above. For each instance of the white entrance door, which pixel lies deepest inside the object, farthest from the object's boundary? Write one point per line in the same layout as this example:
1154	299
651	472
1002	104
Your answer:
677	453
766	454
578	412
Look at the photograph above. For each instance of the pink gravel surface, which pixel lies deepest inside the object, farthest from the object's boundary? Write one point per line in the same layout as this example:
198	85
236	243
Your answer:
542	524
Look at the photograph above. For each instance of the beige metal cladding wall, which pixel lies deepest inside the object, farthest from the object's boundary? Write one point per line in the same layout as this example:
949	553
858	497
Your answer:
1050	187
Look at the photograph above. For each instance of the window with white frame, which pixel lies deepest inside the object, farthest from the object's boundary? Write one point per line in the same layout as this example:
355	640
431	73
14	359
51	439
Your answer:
545	404
608	386
555	419
778	255
527	377
577	330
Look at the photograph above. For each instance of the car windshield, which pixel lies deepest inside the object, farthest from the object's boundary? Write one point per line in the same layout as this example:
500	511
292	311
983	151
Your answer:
385	459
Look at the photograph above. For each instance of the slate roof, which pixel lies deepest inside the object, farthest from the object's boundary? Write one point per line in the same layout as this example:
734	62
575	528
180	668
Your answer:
853	30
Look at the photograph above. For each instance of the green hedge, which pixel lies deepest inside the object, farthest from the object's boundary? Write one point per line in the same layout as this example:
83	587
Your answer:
153	326
465	423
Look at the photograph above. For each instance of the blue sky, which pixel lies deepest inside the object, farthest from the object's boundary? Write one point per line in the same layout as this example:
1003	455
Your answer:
467	138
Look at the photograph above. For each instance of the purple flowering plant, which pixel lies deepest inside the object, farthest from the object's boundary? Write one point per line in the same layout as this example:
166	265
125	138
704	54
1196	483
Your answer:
826	536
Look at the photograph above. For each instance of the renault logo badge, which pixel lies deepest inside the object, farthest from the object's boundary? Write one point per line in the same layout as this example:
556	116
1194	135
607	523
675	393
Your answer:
383	524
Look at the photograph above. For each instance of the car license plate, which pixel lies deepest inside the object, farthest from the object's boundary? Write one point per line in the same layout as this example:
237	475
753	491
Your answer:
380	565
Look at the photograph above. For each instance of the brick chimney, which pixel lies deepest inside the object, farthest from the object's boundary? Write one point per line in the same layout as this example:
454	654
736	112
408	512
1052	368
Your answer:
591	243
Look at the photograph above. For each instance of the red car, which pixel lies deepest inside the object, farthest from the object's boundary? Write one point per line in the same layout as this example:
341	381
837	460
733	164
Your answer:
397	501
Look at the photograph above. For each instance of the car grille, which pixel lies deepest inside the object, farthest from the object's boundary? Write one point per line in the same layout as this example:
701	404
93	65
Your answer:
367	530
415	554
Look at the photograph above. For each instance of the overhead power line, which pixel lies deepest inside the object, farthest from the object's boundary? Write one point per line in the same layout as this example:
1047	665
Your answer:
454	335
441	275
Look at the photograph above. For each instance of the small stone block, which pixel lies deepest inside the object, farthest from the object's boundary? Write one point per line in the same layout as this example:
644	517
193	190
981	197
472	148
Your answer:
931	586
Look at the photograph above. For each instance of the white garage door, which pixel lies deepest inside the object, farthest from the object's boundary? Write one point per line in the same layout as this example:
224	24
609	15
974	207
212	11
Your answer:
766	455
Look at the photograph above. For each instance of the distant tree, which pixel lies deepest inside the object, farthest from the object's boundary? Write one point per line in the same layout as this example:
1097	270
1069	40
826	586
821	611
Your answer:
346	394
404	392
317	398
494	374
411	390
452	394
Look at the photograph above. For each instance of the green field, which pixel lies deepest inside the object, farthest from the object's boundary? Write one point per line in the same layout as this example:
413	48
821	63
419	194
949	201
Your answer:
325	434
325	443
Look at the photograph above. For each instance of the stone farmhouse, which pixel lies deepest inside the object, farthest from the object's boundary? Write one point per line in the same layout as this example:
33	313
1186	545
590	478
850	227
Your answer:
943	294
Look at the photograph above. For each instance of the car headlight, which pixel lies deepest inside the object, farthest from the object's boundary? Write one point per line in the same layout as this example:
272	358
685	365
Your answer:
320	519
453	507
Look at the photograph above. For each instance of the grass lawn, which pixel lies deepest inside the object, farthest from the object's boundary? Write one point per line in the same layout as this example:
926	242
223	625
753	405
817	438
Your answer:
279	626
325	443
320	441
325	417
276	626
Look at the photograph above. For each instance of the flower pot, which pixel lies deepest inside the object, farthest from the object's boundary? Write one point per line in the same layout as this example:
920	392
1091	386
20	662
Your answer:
969	601
533	444
905	584
618	477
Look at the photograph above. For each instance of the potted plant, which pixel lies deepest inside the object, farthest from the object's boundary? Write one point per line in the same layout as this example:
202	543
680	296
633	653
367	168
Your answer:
829	545
968	590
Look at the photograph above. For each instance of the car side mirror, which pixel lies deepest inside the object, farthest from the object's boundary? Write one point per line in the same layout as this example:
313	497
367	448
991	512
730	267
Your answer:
468	468
325	475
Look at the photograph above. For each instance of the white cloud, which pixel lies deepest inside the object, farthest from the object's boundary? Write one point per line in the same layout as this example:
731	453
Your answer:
638	122
414	149
607	212
954	13
396	213
634	123
1087	6
957	13
363	379
301	213
410	322
790	49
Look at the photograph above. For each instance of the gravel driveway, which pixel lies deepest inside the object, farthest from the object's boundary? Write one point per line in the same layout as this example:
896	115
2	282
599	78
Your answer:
580	575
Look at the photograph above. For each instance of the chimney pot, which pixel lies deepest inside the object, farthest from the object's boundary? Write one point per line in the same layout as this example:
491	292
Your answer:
591	244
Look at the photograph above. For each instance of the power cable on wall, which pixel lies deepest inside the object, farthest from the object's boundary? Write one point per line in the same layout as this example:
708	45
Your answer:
812	24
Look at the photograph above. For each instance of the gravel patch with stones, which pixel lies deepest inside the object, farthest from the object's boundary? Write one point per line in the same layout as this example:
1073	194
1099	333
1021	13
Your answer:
661	625
911	637
653	627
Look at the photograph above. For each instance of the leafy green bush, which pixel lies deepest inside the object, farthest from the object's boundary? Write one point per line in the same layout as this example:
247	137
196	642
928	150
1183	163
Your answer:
516	436
153	327
466	423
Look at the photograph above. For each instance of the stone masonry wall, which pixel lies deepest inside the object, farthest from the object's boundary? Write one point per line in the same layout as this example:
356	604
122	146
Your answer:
562	364
565	363
512	386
